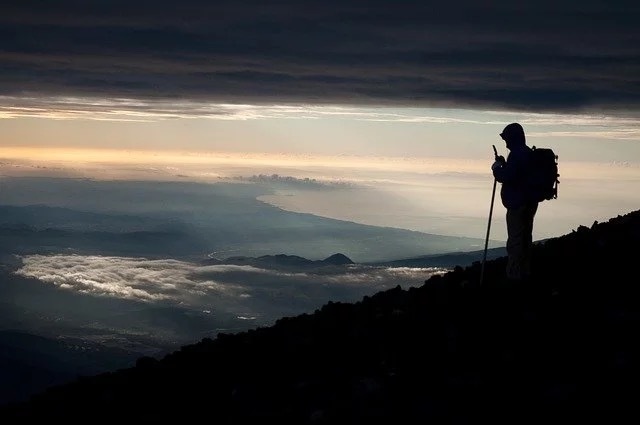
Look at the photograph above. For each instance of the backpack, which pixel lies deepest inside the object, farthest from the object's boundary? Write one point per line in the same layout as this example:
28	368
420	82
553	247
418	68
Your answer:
543	178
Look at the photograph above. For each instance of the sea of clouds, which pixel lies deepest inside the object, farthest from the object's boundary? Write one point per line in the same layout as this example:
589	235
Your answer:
242	290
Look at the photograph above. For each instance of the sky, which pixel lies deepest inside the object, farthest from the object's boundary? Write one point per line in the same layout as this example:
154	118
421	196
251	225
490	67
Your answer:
398	95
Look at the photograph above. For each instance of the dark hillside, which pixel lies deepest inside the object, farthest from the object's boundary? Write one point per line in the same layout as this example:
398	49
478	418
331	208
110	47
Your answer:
561	350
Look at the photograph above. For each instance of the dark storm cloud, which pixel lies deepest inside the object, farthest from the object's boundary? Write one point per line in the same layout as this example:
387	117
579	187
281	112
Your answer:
536	55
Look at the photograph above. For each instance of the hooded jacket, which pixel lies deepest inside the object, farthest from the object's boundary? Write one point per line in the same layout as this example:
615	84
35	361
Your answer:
513	174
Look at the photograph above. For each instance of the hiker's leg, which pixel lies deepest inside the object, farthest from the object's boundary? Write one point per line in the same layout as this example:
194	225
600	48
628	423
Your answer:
528	214
516	241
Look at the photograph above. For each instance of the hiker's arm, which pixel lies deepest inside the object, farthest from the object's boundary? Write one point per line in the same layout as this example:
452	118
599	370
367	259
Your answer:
510	170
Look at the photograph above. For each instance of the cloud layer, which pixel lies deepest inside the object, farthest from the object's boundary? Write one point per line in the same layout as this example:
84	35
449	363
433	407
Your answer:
129	278
531	55
245	291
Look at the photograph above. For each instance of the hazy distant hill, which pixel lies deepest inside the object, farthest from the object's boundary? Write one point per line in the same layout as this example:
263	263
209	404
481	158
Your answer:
283	261
189	221
563	349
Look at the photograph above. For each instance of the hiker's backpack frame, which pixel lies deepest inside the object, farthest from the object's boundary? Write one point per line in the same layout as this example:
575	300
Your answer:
547	154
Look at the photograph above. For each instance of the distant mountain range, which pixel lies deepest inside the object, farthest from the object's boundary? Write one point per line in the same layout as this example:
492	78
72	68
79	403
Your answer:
133	219
280	261
561	348
295	262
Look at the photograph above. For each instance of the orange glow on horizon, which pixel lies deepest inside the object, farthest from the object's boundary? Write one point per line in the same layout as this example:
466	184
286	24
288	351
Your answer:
131	156
106	159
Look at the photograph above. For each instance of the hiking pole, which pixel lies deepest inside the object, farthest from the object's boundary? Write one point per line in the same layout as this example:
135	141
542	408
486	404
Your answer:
486	242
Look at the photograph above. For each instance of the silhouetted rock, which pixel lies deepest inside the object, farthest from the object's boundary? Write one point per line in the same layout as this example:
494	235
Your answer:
560	348
337	260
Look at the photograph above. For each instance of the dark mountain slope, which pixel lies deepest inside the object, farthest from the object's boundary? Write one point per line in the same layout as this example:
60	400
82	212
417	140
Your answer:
563	349
30	363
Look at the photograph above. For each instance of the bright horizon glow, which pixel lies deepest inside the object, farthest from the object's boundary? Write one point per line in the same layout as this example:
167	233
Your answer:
189	126
425	169
448	196
76	157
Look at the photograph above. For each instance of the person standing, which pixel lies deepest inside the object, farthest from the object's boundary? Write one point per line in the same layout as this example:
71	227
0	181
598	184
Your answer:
512	173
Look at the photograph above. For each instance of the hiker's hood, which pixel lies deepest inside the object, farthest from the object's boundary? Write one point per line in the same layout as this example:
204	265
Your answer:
513	135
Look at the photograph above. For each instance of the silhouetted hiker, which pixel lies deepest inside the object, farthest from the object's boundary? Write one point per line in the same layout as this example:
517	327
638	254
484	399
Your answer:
516	198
